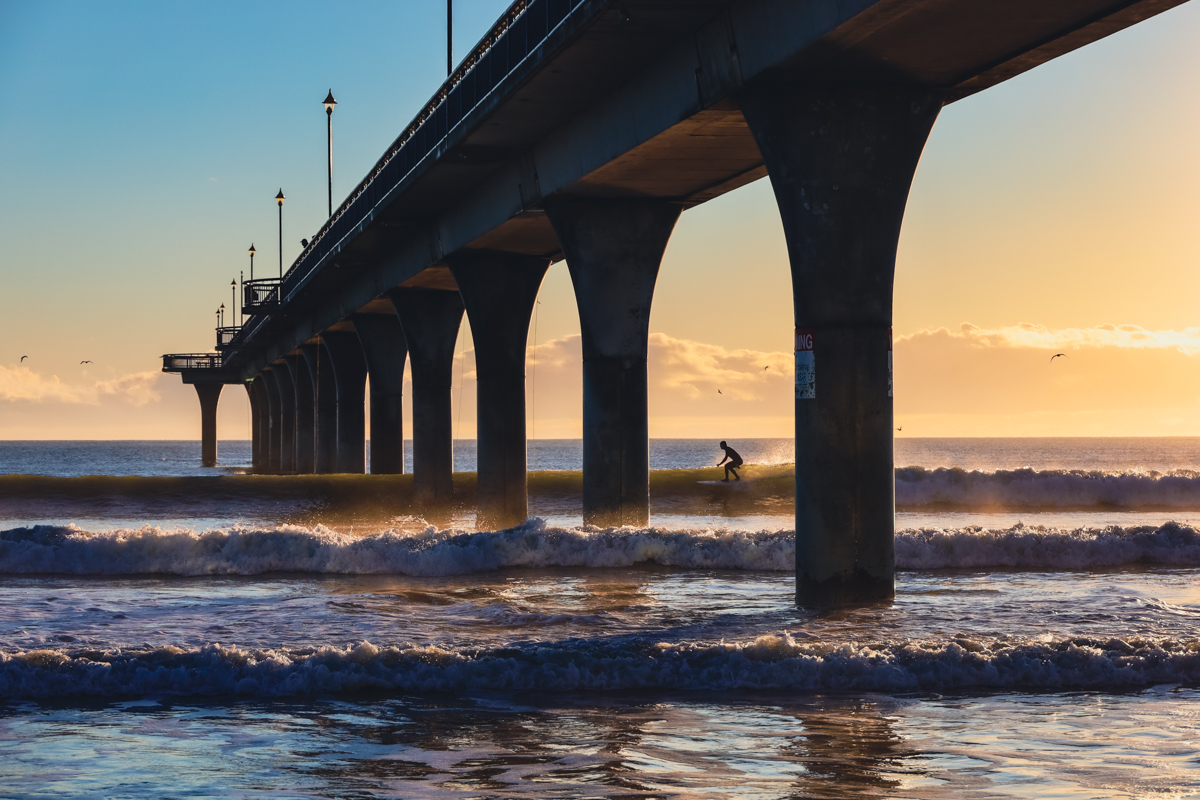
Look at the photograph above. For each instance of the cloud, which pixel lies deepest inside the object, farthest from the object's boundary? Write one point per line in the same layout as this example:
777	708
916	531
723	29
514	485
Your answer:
22	384
1032	336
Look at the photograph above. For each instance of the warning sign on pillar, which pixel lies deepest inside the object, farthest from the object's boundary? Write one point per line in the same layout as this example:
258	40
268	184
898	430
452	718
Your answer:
806	365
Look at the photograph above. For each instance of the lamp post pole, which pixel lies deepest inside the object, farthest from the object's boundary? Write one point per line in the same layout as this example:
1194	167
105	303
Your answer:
279	198
242	281
232	300
221	317
449	37
329	104
251	262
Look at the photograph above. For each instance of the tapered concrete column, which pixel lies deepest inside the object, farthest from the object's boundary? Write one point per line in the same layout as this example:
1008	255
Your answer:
499	291
306	410
430	320
385	351
209	394
350	372
320	370
613	250
255	432
841	161
274	424
287	418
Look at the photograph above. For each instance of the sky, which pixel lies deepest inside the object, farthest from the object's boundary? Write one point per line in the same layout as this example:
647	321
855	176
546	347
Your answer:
142	144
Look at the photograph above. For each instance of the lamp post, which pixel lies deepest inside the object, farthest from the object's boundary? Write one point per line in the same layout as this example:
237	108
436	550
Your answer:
221	313
251	261
279	198
232	300
242	279
329	104
449	37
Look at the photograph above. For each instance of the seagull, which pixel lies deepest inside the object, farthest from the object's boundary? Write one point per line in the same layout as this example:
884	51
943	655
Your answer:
766	368
85	362
900	428
1057	355
304	242
719	391
24	357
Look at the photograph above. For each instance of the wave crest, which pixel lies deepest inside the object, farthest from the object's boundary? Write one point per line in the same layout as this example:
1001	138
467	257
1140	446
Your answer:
1028	488
775	661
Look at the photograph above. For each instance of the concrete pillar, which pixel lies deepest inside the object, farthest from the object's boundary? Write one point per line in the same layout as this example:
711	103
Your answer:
841	161
287	418
274	425
209	394
613	250
383	346
263	418
320	370
305	414
498	291
255	433
350	372
430	320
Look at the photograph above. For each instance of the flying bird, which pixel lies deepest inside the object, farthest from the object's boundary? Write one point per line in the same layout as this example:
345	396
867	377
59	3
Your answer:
900	428
1057	355
718	391
85	362
766	368
24	357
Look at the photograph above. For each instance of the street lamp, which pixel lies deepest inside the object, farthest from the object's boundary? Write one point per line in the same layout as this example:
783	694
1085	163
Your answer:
242	278
221	311
279	198
329	104
252	261
449	37
232	299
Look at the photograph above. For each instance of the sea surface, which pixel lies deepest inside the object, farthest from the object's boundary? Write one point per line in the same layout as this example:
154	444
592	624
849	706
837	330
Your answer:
173	631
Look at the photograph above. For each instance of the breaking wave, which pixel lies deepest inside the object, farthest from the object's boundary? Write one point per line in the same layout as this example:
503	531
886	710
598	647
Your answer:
918	487
775	661
248	551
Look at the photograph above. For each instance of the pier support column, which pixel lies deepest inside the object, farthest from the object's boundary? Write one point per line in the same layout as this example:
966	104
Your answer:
253	391
305	414
430	320
209	394
350	373
383	347
614	249
498	291
287	418
841	161
320	370
274	426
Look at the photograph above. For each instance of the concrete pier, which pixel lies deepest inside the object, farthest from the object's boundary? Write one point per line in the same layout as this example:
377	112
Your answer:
498	291
209	394
287	417
841	161
305	414
320	370
254	391
384	348
274	425
614	249
350	372
430	320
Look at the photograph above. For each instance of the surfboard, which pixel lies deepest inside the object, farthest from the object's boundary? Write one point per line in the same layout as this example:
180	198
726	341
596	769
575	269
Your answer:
723	483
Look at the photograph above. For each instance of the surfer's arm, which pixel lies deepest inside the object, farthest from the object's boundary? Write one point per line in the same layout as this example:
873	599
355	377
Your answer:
723	460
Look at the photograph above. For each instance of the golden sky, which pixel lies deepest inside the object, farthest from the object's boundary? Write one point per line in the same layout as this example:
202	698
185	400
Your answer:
1054	213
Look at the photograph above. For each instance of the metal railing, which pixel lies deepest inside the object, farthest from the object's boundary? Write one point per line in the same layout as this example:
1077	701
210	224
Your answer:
260	296
178	362
226	335
519	32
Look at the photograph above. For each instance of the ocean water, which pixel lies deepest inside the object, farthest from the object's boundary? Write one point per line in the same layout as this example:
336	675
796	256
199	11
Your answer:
172	631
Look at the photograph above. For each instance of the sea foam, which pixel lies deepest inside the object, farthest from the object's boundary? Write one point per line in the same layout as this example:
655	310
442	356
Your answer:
773	661
918	487
249	551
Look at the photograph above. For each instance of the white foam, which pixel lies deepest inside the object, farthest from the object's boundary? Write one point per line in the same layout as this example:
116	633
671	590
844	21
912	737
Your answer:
1028	488
775	661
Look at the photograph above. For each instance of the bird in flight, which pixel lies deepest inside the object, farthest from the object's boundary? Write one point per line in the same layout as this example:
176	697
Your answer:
1058	355
24	357
85	362
766	368
719	391
900	428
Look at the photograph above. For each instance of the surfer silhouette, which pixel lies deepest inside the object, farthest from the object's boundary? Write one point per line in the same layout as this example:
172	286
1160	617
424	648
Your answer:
734	460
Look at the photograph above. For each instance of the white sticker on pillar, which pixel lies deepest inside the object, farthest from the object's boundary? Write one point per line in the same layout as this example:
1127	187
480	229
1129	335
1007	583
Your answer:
806	365
889	362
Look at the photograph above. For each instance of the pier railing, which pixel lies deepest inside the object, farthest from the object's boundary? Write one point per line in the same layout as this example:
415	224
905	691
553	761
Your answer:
178	362
260	296
226	336
518	33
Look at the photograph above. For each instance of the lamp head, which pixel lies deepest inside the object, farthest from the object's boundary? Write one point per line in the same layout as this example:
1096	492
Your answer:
279	198
252	251
329	102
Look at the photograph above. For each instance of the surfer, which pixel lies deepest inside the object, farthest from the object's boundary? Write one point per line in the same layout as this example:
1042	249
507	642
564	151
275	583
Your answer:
734	460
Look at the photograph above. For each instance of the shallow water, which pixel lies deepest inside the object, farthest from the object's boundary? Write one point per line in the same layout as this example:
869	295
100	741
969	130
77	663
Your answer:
247	638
